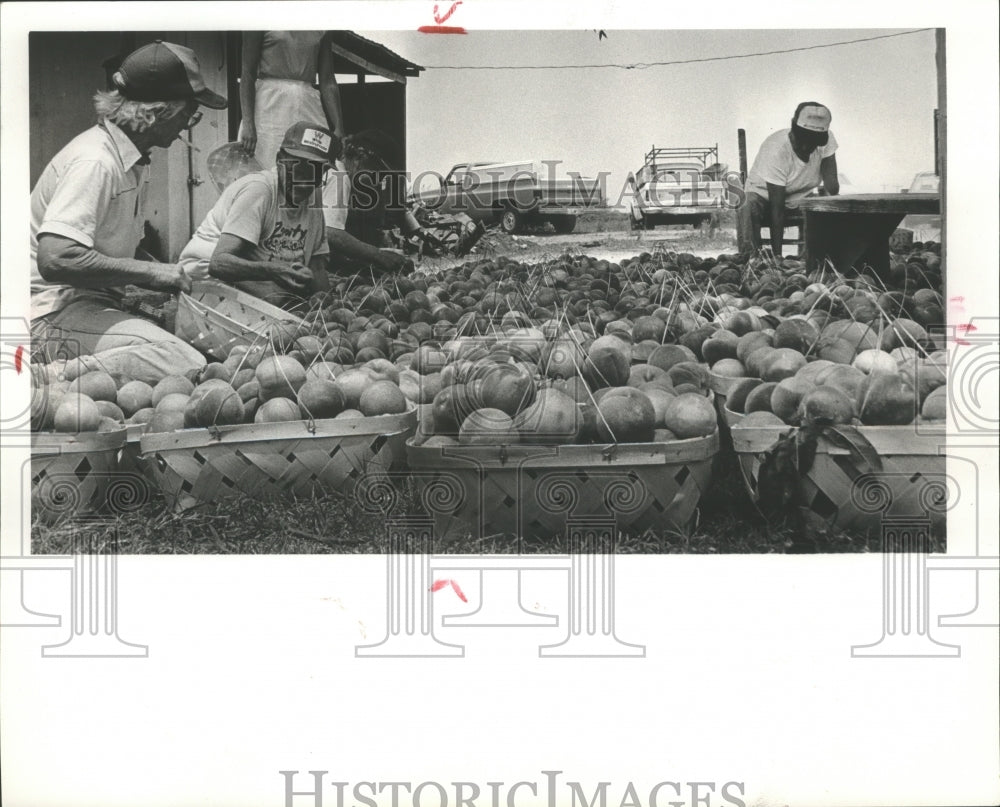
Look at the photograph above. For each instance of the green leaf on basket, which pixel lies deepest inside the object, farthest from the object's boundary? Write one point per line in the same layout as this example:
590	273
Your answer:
778	483
854	441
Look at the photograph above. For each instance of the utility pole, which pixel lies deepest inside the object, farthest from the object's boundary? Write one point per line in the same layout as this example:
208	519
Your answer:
941	155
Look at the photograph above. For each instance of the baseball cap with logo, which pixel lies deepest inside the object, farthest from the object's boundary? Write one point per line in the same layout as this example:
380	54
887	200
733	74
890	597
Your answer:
311	142
814	117
812	123
163	71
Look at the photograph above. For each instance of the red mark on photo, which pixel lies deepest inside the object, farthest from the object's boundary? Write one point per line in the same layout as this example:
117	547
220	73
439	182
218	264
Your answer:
18	358
443	19
439	28
440	584
967	327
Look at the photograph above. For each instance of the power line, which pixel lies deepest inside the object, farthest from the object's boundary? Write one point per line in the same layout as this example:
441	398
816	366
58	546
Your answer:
645	65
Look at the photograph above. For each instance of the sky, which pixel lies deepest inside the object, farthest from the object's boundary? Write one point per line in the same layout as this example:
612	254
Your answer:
882	95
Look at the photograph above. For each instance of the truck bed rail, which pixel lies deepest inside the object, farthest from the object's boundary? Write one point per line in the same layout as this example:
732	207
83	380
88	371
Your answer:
655	155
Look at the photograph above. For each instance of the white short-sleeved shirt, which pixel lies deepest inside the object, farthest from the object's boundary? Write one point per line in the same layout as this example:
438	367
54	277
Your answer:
336	196
249	209
777	164
93	192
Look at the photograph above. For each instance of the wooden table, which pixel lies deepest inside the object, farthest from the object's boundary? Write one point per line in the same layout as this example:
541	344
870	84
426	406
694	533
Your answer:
853	231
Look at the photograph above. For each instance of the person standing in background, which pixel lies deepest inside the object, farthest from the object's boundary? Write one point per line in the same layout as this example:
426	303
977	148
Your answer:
278	87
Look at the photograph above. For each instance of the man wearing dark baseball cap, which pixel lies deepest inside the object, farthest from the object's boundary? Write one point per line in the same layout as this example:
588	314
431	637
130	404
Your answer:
791	163
87	217
266	234
163	71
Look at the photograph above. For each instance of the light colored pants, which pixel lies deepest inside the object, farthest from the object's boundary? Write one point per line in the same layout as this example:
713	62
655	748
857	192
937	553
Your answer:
106	338
278	103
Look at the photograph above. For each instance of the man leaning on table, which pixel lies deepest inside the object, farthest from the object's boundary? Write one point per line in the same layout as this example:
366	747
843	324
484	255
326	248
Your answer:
790	164
87	216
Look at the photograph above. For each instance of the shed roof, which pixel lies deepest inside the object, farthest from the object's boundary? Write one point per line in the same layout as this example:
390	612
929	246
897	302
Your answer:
373	57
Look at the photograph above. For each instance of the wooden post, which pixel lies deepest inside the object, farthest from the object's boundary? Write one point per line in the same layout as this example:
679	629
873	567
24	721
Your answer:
941	160
937	144
362	103
741	140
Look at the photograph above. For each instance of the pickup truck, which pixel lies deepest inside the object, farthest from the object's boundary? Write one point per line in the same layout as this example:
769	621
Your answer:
677	186
513	194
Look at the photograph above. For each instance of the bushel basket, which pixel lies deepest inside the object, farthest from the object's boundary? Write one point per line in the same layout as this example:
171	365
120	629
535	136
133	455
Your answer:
267	460
215	318
899	473
76	474
531	491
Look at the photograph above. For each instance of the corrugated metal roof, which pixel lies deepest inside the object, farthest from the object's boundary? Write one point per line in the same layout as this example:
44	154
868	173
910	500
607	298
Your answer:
373	52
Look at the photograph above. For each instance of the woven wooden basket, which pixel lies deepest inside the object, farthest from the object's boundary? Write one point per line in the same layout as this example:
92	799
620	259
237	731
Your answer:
267	460
845	489
215	318
73	474
531	491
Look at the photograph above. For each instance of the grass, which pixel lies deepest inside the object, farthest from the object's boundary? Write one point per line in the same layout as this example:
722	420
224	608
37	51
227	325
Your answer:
727	523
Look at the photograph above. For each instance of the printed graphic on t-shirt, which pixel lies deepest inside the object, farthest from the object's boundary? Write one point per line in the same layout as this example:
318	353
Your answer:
286	244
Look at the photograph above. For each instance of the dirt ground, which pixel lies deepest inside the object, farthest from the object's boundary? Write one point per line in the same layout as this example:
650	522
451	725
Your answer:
611	245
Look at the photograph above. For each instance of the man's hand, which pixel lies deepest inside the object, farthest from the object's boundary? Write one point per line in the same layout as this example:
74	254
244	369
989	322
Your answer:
248	136
295	277
389	261
169	277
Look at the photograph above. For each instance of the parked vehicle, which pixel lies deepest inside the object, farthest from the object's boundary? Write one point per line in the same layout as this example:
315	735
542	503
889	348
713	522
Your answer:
677	186
513	194
924	182
923	228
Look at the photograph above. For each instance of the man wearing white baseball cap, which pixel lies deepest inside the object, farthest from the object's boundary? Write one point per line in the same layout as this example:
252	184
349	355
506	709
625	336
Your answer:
791	164
266	234
87	217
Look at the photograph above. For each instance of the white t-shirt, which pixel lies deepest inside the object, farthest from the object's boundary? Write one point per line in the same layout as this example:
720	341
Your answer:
249	209
93	192
336	196
778	164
